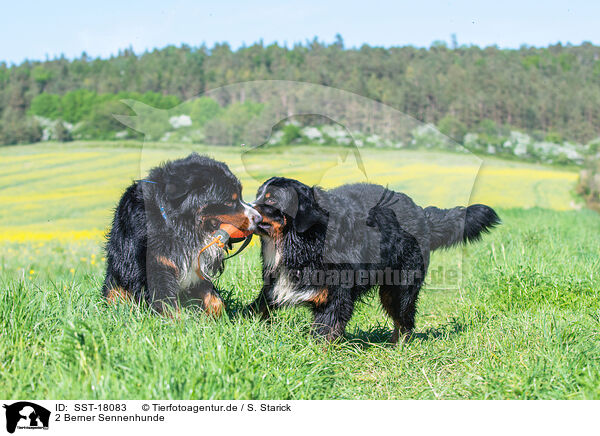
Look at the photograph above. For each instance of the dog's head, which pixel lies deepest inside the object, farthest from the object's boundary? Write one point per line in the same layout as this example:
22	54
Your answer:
198	193
287	205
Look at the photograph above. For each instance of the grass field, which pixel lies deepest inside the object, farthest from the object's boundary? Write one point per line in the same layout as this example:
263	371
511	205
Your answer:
67	191
524	322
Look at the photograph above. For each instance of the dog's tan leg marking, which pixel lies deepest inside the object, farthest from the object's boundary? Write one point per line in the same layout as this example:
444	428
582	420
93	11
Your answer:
118	294
320	298
168	263
213	305
395	333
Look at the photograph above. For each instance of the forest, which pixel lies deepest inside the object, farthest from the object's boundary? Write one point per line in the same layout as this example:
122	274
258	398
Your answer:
550	93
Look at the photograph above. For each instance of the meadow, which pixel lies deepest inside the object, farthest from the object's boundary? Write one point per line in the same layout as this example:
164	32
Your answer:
522	322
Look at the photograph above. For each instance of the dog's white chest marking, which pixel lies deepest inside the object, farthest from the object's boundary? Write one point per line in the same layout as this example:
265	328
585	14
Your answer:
271	255
188	275
287	292
284	290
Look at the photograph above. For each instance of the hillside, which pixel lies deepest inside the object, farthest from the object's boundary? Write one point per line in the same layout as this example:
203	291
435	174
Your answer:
550	92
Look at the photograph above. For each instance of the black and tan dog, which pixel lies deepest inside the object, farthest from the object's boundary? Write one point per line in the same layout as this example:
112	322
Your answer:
160	226
325	249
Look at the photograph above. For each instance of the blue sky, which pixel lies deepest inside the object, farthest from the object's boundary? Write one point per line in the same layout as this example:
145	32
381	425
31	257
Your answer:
37	31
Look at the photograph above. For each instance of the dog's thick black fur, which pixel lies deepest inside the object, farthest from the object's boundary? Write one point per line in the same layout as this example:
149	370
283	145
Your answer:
313	241
160	225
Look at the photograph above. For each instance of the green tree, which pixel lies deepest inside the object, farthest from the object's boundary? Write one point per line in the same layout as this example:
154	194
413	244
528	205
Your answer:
452	127
41	76
203	109
230	128
17	129
533	89
291	133
46	105
78	105
61	133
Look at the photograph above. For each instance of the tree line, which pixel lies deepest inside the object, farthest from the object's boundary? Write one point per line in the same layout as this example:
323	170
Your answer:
551	92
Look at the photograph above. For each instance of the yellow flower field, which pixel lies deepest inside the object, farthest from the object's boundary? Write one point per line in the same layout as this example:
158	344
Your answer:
67	191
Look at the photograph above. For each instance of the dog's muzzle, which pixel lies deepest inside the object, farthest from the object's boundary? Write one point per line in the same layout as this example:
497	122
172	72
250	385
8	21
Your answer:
253	216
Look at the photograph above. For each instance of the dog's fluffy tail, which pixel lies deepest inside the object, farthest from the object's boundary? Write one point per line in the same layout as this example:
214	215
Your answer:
458	225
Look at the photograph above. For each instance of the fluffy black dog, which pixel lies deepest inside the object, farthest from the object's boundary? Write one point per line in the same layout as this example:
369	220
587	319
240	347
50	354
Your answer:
326	249
160	226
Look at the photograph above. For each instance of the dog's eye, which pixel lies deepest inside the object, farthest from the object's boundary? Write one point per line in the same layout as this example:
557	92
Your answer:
228	203
269	200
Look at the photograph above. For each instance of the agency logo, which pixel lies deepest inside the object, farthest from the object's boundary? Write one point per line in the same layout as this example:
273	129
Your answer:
26	415
326	137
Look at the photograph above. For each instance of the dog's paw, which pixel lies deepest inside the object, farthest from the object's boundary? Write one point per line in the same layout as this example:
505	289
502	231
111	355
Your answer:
213	305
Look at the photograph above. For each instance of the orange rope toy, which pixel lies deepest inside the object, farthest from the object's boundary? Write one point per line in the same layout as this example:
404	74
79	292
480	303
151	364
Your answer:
220	238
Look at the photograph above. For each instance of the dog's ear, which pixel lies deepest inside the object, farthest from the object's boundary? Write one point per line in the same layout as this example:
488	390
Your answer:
306	218
308	213
176	190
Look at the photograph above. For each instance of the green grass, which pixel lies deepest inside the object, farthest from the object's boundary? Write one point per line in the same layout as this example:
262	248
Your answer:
524	323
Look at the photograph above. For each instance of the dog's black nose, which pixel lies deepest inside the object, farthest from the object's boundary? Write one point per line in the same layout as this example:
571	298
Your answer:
256	218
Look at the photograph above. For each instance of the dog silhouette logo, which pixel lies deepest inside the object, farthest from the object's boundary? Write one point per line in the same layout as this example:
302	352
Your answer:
26	415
